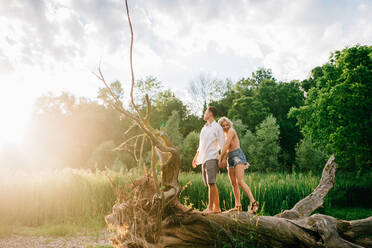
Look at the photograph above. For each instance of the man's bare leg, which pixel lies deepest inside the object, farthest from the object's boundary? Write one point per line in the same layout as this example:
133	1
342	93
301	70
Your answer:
216	199
211	200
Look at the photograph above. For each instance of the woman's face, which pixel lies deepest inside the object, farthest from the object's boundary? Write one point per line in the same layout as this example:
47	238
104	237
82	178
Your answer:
225	126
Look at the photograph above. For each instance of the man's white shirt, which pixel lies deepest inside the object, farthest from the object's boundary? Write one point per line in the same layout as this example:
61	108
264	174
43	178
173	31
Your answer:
212	139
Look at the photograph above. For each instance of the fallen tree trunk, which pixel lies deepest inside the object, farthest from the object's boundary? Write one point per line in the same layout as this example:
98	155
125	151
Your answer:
181	227
150	215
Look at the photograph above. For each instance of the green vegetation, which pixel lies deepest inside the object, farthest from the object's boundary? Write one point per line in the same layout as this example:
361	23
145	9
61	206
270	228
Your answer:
263	147
287	130
337	111
64	203
280	123
280	191
68	196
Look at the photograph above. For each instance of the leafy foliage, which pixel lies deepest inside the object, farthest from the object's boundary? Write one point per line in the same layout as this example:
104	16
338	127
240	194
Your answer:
262	148
329	112
188	150
337	111
172	127
309	157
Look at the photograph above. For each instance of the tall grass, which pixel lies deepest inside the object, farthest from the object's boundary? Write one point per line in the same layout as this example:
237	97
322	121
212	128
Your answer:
274	191
77	196
351	197
37	198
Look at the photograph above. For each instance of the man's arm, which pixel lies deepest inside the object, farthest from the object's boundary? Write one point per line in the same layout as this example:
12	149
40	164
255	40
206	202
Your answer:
195	159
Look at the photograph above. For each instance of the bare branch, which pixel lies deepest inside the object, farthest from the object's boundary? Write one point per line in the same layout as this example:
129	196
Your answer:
130	128
141	154
315	200
153	169
131	60
122	145
148	109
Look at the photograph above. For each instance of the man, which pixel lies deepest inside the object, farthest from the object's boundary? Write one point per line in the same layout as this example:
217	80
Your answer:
211	140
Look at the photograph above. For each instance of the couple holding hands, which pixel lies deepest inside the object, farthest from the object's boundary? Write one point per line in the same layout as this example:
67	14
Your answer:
215	137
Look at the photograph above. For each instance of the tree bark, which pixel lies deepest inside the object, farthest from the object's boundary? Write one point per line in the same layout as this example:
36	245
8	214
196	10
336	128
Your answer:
182	227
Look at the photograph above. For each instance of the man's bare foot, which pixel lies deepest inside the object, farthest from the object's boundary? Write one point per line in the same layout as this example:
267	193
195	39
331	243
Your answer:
206	211
236	208
216	211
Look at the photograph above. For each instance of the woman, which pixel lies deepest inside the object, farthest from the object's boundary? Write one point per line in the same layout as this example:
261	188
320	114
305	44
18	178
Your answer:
237	163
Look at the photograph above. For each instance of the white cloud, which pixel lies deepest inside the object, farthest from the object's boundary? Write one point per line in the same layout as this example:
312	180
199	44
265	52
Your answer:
54	45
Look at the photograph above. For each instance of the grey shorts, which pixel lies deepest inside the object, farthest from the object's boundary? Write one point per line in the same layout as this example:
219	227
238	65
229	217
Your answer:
209	171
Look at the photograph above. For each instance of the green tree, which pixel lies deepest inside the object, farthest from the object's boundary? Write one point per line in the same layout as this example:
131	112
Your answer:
248	143
262	149
164	104
337	111
248	109
260	96
150	86
172	128
64	131
278	98
188	149
104	94
191	123
309	157
239	127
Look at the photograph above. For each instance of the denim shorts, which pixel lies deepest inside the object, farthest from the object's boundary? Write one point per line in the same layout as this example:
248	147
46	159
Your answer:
236	157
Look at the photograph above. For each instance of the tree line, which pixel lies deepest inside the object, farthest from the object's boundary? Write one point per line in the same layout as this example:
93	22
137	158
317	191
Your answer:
283	126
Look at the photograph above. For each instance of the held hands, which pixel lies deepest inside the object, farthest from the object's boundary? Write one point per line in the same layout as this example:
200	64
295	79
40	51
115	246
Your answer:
222	163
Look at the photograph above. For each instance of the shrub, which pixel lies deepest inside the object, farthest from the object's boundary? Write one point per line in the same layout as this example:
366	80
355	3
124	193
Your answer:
172	127
262	149
188	150
308	157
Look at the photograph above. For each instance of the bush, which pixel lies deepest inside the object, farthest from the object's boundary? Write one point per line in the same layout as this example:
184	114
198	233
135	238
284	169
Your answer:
262	149
308	157
172	127
188	150
239	127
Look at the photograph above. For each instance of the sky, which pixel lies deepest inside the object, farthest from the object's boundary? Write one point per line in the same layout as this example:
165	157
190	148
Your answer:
54	45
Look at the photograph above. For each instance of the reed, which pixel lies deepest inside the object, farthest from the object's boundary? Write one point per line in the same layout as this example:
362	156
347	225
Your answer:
78	196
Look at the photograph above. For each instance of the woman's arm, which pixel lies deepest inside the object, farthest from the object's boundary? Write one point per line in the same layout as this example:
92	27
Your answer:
230	136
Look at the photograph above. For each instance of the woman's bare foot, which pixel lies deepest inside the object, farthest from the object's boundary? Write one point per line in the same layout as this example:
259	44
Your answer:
254	207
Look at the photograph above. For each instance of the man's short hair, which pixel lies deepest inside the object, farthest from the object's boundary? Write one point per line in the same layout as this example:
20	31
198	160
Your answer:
213	110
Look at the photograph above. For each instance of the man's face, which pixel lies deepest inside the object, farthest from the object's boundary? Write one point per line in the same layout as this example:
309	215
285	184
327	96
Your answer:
207	114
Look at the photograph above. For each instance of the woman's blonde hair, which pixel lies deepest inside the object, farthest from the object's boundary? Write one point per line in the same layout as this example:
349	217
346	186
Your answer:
225	119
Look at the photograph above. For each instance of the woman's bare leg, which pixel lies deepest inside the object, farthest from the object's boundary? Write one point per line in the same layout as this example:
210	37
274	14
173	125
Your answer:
235	186
239	174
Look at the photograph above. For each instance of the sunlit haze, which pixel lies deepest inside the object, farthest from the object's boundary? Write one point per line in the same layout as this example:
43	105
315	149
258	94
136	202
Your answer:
53	46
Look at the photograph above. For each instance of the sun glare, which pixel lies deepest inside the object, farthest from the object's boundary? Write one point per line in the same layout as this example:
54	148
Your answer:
15	114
